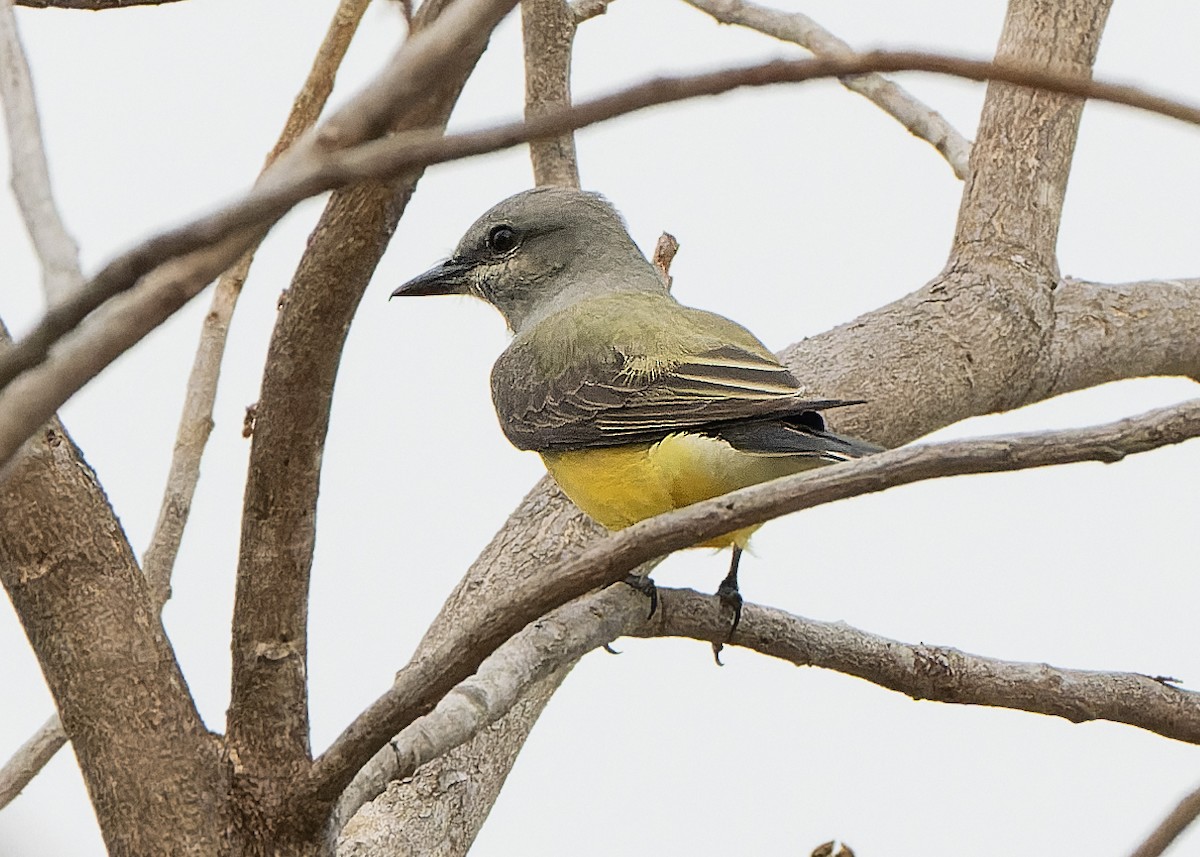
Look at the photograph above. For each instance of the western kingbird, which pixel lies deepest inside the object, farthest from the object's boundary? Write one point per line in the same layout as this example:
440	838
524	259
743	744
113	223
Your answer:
637	404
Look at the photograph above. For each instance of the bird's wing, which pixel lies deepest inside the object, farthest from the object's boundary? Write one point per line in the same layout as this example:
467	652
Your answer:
606	382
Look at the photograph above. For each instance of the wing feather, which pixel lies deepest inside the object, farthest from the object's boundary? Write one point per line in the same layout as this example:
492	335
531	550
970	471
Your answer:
585	381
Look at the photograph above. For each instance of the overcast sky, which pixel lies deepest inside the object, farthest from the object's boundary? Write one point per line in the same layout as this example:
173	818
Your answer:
797	208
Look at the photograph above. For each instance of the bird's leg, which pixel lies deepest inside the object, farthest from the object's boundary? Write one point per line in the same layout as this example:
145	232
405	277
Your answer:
728	591
643	584
729	594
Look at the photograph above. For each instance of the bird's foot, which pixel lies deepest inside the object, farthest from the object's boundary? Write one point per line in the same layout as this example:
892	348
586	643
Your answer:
645	586
732	598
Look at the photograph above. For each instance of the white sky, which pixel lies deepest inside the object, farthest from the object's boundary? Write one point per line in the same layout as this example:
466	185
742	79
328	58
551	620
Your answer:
797	208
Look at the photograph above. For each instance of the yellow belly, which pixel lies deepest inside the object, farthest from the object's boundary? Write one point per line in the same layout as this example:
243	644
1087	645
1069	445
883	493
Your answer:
621	485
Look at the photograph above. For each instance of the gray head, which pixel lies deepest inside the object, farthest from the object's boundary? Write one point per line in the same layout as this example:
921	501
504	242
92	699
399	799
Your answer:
537	252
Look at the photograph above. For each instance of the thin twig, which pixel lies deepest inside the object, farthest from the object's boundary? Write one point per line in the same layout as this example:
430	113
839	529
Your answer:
91	5
1169	829
664	254
240	223
30	758
921	120
55	248
196	421
423	682
937	673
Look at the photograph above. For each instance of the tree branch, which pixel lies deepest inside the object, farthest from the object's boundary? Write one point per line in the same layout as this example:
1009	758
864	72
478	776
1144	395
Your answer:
920	671
443	805
268	717
30	758
1057	38
426	679
55	248
585	10
237	225
922	121
543	526
150	766
196	421
1132	330
90	5
939	673
394	155
983	327
541	649
1169	829
548	30
61	275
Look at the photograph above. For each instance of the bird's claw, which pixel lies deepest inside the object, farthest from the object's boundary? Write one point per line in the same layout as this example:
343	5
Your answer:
647	587
730	597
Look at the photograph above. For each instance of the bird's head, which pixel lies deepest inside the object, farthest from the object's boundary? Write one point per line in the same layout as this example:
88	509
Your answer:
537	252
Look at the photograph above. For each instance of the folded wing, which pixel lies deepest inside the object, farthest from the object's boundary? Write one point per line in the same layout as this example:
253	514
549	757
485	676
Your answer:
582	386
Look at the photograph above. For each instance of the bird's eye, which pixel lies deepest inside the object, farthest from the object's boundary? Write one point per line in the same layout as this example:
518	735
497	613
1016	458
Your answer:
502	239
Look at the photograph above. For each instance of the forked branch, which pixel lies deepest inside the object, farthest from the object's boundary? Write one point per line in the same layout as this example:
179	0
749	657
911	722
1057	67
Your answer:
421	684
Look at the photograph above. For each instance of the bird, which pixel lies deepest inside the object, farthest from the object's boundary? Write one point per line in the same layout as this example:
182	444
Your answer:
636	403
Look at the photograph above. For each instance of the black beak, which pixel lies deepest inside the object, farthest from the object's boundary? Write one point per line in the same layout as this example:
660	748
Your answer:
448	278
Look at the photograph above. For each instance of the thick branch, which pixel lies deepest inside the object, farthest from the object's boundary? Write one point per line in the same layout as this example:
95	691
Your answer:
268	718
150	766
1007	186
548	29
55	248
83	356
922	121
982	328
426	680
1108	332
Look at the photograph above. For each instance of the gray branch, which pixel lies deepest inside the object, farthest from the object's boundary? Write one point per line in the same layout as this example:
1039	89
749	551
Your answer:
922	121
55	248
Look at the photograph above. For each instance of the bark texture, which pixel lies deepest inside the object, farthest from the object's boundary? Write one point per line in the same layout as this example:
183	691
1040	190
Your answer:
151	769
548	27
